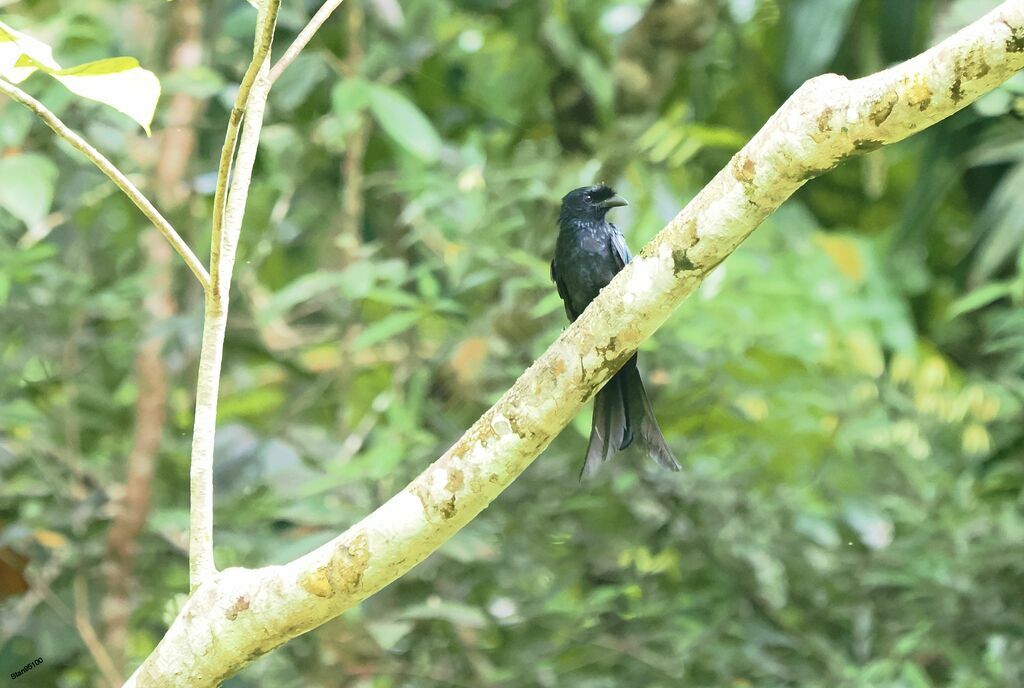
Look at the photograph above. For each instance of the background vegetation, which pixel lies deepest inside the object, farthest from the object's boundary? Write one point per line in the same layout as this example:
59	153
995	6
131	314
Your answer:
845	391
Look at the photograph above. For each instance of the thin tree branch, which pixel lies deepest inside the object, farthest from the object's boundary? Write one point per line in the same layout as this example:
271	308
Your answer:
351	215
266	21
87	632
108	168
304	37
225	243
244	613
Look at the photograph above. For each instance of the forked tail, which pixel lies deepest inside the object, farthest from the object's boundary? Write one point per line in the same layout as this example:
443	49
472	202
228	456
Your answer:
623	412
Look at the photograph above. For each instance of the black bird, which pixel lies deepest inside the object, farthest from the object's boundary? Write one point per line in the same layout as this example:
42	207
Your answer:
588	253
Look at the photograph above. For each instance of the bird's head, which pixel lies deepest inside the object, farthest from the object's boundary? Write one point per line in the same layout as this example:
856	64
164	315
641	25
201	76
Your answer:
590	202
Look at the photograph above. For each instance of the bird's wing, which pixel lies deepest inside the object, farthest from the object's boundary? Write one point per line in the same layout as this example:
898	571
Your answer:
562	292
619	249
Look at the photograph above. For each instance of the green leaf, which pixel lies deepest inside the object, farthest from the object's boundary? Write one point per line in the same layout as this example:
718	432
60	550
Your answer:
389	633
405	123
27	188
198	82
455	613
548	304
1000	220
386	328
428	286
816	31
257	402
450	307
717	137
994	103
595	78
914	677
306	74
980	298
350	97
117	81
394	297
302	289
14	125
349	100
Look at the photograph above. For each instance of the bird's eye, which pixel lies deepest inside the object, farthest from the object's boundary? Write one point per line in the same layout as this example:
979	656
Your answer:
590	196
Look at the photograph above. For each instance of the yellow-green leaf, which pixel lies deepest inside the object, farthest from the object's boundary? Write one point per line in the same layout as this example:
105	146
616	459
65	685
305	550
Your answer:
14	44
117	81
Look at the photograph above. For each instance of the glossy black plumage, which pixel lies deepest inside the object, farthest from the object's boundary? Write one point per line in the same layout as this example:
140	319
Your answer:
588	253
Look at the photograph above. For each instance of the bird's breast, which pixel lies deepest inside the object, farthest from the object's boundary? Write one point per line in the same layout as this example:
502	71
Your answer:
585	263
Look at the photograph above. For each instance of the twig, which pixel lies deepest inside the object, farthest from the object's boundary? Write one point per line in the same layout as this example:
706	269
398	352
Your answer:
108	168
265	24
40	591
71	365
351	216
225	242
304	37
89	636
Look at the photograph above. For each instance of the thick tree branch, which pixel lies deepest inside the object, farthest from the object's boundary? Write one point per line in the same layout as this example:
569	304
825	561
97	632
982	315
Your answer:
108	168
304	37
225	242
243	613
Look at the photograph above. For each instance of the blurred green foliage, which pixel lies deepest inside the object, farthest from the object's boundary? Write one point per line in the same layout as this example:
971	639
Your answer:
845	390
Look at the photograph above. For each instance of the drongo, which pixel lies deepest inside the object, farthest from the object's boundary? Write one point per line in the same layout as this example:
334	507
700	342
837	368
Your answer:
588	253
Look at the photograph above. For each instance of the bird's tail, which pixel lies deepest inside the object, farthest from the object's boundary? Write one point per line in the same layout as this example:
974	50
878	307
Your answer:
623	412
640	420
608	431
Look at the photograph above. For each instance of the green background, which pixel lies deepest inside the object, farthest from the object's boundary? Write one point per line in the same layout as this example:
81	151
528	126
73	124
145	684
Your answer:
845	391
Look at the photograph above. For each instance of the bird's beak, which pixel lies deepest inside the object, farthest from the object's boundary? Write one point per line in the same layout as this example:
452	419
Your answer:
614	202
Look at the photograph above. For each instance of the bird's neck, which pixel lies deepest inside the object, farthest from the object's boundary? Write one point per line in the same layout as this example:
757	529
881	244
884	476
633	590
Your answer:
576	225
